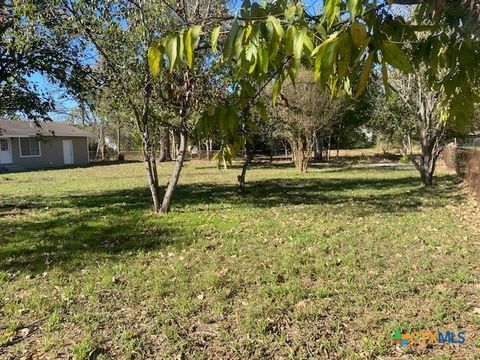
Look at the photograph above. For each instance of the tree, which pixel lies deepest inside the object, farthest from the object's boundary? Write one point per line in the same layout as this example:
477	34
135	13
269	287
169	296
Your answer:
282	35
269	42
123	35
393	122
306	111
424	105
34	41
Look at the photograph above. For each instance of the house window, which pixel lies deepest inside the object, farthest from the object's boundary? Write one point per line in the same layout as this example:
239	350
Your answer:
3	145
29	147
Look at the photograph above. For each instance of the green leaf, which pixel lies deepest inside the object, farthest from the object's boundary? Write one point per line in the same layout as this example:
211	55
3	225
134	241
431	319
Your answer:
250	51
261	110
318	62
251	69
269	30
395	57
290	12
214	39
292	71
189	48
344	50
231	119
196	30
308	43
363	80
232	35
331	11
275	90
191	41
328	61
321	30
277	25
171	49
154	59
298	44
274	46
319	52
347	87
221	117
385	78
238	46
181	48
359	34
352	8
248	31
289	40
263	59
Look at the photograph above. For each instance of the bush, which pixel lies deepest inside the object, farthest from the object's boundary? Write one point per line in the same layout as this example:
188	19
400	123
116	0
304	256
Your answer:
404	160
121	157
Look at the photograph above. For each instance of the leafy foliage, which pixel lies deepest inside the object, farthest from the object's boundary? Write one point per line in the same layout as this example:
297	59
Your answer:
268	42
35	40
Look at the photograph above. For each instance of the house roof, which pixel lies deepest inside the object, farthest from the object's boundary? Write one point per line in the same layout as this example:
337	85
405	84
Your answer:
9	128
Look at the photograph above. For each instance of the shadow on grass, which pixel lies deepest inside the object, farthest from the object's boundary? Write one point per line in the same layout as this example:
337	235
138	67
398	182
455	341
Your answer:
69	232
366	195
98	227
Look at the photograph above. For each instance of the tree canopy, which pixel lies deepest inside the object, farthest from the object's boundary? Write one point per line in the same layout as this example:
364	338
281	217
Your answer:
35	39
343	44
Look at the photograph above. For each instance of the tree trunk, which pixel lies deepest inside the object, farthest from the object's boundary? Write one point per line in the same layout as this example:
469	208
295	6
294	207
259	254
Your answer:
173	145
426	177
207	144
320	150
167	198
329	147
301	157
271	152
338	146
152	176
97	153
118	139
101	144
241	177
176	136
428	159
164	146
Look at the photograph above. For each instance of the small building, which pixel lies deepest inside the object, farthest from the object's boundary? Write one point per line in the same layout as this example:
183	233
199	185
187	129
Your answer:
24	145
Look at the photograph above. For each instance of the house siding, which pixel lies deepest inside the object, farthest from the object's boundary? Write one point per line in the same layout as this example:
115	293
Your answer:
51	151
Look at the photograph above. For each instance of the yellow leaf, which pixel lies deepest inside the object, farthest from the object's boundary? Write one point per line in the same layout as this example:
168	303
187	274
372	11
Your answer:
154	58
214	38
188	48
171	48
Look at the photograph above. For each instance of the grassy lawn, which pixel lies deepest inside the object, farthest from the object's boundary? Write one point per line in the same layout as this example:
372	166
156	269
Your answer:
322	265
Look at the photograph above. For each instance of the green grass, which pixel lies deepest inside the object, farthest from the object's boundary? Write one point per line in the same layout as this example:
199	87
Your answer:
324	264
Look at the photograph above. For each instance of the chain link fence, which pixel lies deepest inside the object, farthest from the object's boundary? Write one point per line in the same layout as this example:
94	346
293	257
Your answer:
464	158
468	143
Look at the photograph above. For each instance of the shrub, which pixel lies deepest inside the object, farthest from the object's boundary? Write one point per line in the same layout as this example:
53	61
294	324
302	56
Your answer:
404	160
